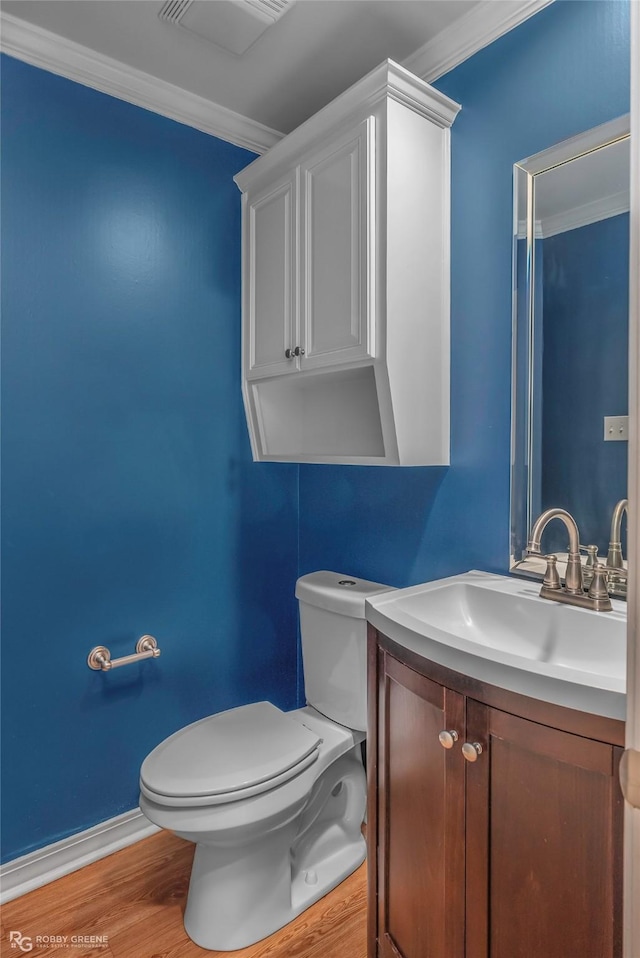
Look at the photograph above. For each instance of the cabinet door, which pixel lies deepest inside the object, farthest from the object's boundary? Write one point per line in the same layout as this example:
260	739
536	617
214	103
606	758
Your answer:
338	244
544	853
421	816
270	286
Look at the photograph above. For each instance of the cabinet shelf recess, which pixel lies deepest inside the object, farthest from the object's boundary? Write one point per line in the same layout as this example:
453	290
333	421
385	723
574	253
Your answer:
331	416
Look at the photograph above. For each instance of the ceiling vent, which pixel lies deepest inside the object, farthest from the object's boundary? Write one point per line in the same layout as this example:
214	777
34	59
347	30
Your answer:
233	25
173	10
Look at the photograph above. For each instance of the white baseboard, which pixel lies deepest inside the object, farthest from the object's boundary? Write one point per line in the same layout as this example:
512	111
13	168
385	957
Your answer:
44	865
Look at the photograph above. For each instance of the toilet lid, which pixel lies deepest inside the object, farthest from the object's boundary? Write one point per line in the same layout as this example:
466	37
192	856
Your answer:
228	752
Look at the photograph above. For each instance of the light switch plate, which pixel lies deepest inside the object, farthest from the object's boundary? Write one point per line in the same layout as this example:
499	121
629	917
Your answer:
616	428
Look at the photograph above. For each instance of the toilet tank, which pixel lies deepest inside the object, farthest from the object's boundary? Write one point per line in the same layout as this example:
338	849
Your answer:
334	644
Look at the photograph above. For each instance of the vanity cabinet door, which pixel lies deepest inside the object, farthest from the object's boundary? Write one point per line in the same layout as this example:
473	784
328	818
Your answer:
544	841
421	816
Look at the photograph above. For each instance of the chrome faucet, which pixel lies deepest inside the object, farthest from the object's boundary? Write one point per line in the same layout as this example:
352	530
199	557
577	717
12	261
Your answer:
573	581
573	592
614	555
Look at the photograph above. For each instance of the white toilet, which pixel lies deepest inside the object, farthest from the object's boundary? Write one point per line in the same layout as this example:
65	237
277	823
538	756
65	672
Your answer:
273	800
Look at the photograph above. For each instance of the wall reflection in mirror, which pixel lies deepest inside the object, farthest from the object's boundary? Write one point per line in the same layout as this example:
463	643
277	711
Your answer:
570	352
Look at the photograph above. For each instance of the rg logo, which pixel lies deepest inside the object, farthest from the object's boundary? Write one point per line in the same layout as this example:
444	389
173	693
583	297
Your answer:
18	940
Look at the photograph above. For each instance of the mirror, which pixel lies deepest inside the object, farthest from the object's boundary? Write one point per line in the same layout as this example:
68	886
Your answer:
570	340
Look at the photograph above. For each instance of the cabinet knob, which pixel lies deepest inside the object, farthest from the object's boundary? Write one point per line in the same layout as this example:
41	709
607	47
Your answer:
299	351
288	353
448	738
471	750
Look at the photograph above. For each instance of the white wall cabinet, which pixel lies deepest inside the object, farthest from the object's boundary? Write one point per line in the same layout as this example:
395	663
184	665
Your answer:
346	280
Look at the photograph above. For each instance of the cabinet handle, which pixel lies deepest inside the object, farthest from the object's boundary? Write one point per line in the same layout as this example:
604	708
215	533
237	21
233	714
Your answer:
299	351
448	738
471	750
288	353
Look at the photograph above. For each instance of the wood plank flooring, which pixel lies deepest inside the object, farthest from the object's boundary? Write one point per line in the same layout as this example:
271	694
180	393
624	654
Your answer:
136	898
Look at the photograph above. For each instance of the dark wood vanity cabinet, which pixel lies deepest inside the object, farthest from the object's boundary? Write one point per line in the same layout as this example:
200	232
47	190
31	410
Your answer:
516	854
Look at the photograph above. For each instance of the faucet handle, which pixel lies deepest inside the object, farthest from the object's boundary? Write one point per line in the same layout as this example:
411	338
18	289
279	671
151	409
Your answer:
551	577
598	588
592	556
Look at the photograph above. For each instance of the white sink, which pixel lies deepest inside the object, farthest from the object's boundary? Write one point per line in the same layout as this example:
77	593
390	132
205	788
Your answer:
498	629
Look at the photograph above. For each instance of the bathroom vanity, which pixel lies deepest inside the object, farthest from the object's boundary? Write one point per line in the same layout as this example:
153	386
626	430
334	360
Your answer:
495	817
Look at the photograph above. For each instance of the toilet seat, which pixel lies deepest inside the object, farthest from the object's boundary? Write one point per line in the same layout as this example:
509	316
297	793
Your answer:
229	756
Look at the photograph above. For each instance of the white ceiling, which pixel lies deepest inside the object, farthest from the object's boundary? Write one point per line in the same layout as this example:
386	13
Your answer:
315	51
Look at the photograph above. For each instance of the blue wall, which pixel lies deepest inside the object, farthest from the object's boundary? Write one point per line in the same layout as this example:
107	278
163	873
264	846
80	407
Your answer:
586	315
558	74
130	502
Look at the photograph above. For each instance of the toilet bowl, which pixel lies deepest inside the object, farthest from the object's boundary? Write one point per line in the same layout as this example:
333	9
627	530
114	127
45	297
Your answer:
274	801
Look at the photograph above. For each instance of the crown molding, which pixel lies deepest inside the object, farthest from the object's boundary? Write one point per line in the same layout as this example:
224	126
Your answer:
387	80
585	215
478	28
593	212
49	51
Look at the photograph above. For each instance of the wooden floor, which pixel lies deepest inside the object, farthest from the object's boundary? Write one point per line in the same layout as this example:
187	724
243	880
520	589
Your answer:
136	899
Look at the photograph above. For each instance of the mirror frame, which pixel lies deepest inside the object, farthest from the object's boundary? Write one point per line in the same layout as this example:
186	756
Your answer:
524	328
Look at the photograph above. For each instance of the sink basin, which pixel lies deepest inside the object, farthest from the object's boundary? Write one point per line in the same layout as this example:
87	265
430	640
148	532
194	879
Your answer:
498	629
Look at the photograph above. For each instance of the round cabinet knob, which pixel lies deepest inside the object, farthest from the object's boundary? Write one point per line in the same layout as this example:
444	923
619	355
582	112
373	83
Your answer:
288	353
471	750
299	351
448	738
